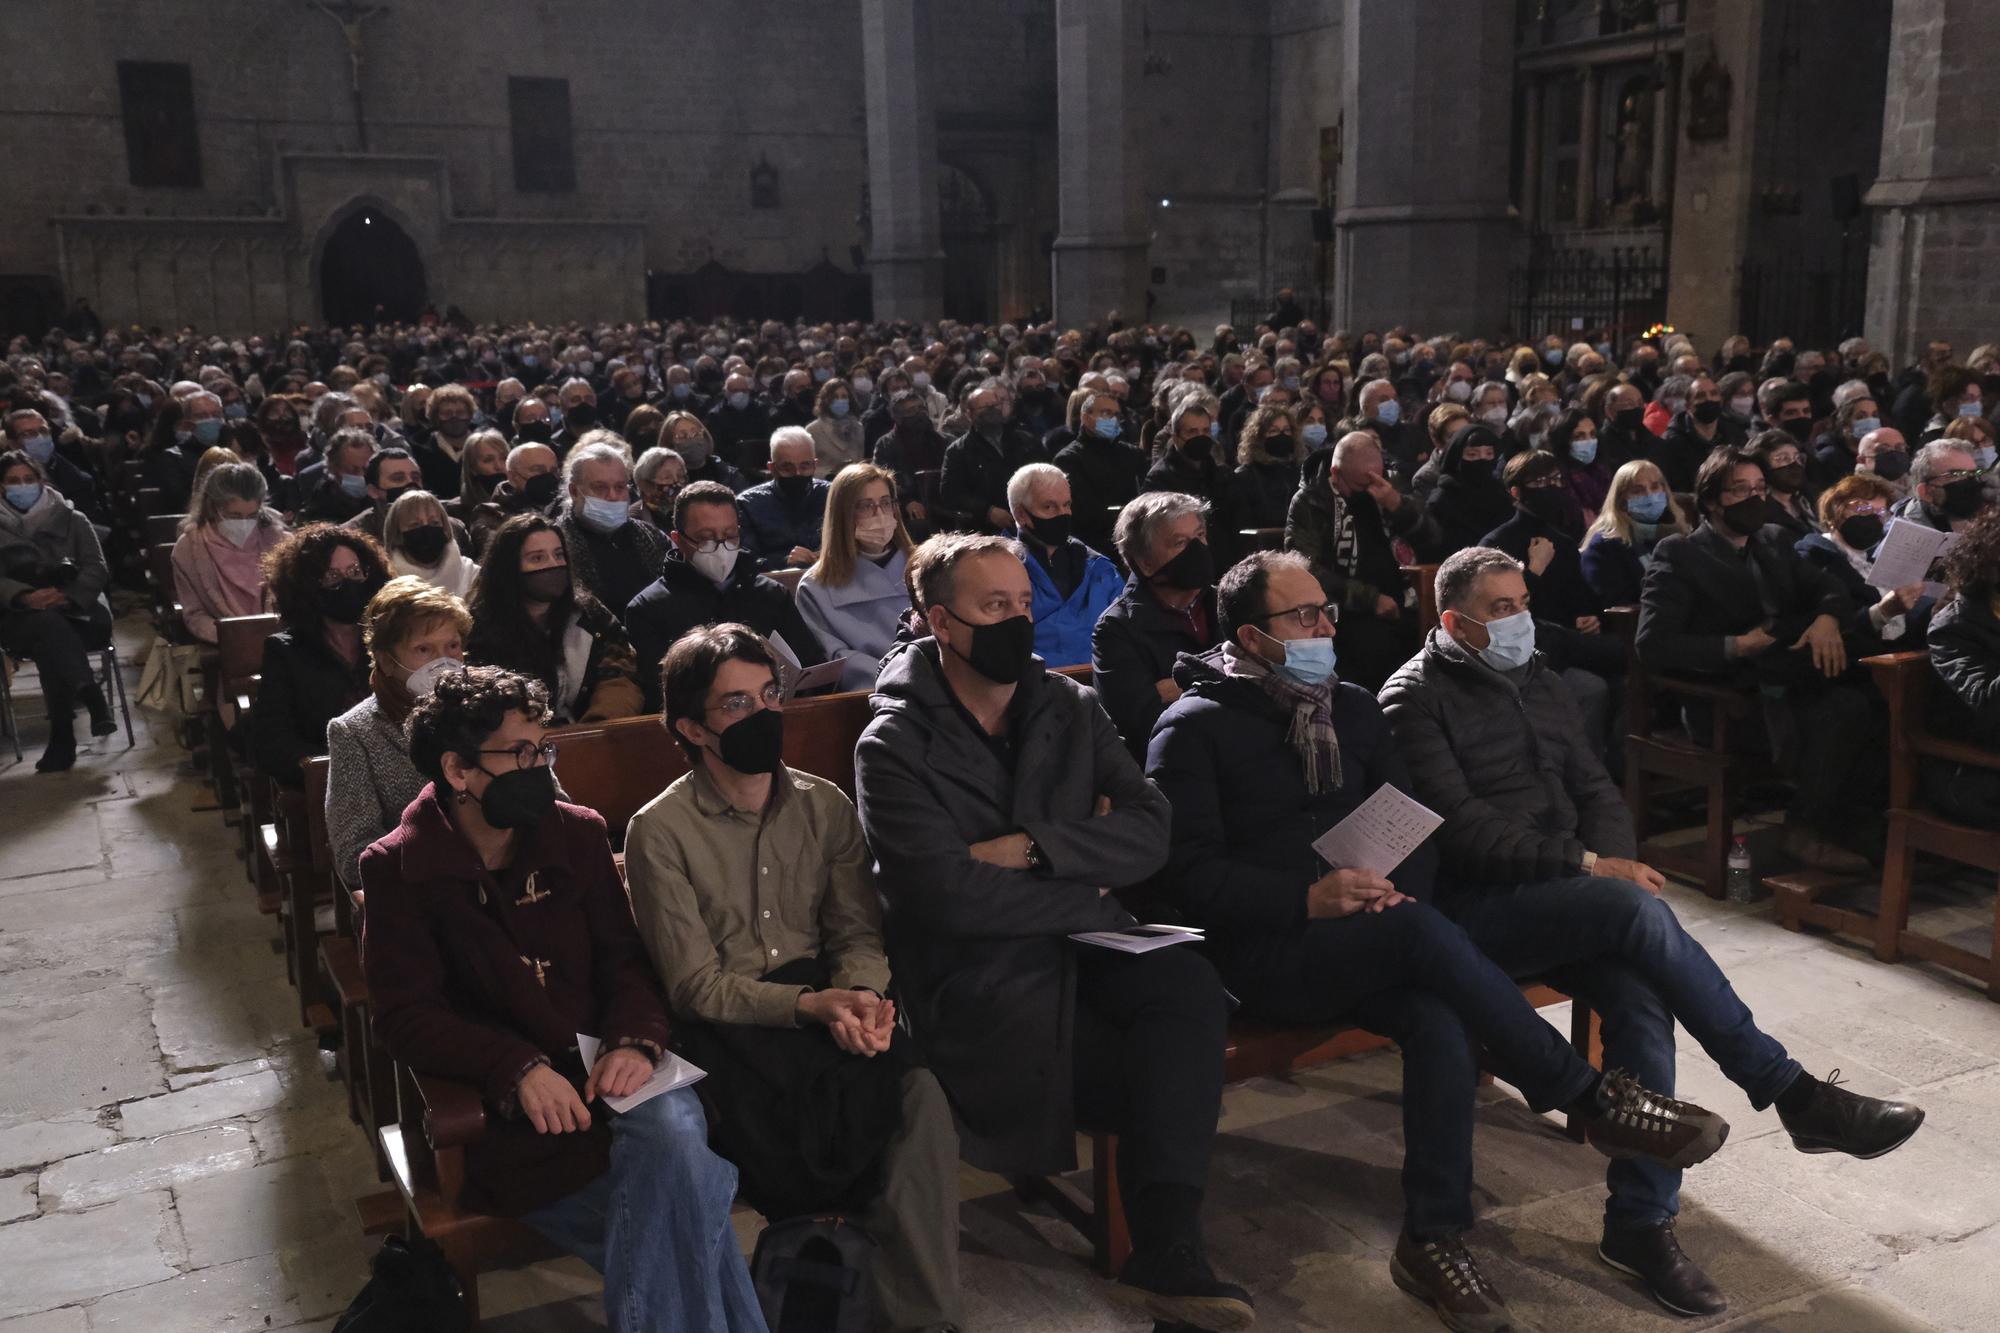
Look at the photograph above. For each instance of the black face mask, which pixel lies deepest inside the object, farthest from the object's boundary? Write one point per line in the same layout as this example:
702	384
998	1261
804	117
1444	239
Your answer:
1789	477
1052	531
1195	448
1862	531
454	428
1280	446
1474	471
1000	651
794	489
1706	413
540	489
545	585
426	544
1962	498
343	605
520	799
1632	420
580	418
395	493
1746	516
532	432
754	745
1892	466
1799	428
1193	568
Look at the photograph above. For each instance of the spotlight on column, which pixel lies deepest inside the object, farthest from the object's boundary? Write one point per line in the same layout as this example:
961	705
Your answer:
1166	202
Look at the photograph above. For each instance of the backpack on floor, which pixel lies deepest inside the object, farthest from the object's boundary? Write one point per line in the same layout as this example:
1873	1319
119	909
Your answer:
412	1290
811	1275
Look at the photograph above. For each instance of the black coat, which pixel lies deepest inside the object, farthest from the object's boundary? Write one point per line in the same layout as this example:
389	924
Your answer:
1262	492
1560	593
302	686
1520	787
1209	481
1467	506
985	971
1103	475
741	437
1617	446
1134	647
171	470
1700	590
683	598
976	472
1965	705
1682	450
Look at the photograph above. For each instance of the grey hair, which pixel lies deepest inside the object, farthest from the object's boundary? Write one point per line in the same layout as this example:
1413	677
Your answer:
1022	485
653	460
1345	447
792	435
1461	571
596	451
1145	517
1850	390
1196	398
515	454
1929	460
1674	386
230	481
332	405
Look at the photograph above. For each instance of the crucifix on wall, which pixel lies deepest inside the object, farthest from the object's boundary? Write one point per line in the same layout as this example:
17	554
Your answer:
350	15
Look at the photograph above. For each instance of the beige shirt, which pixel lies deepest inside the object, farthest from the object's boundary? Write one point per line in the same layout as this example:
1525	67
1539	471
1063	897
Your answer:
725	896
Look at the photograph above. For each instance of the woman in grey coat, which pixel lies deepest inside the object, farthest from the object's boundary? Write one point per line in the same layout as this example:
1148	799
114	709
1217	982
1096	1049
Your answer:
52	607
853	597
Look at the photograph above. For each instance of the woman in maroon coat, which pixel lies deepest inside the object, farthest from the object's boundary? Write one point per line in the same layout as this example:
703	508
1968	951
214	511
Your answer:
497	931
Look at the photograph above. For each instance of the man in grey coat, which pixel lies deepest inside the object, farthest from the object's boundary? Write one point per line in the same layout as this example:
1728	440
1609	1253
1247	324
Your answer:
1002	809
1539	849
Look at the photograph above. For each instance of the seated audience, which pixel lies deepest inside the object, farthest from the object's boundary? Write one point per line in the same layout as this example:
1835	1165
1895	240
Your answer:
1539	869
1538	535
1572	441
1946	488
28	431
782	517
530	616
482	468
340	491
972	485
414	632
1965	654
739	424
854	597
1469	500
1854	512
1073	584
1792	510
1104	472
987	873
185	429
487	892
450	412
705	580
533	485
836	429
53	610
658	476
1187	462
391	474
1696	431
1166	609
417	536
1884	453
1639	511
1955	391
912	449
686	436
610	556
1267	466
1266	749
1622	436
219	554
314	668
1733	601
755	895
1837	452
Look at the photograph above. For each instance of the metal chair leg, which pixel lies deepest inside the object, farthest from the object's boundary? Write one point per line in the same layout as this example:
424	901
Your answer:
13	723
124	704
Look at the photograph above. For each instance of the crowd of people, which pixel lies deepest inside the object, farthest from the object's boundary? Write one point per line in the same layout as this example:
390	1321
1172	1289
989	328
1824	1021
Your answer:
471	536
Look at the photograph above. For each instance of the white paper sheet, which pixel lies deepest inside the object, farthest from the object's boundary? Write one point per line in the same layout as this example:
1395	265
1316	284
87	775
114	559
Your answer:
1906	554
1380	833
673	1072
1139	939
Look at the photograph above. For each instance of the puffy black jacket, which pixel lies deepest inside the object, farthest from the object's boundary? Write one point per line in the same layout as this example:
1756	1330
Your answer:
1133	647
683	598
1522	793
1965	653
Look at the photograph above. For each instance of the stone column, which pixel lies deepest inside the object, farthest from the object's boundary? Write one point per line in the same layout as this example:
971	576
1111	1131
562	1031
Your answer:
1665	108
1937	195
1099	259
1586	148
1715	181
905	256
1425	224
1531	153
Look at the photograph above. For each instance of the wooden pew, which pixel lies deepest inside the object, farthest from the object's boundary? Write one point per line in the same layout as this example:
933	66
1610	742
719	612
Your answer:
239	646
1260	539
1424	578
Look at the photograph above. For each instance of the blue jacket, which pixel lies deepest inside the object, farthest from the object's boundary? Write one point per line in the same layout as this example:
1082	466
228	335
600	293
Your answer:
1063	627
772	527
857	623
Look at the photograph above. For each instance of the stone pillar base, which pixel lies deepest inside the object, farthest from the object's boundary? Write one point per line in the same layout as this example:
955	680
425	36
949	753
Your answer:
1093	278
908	287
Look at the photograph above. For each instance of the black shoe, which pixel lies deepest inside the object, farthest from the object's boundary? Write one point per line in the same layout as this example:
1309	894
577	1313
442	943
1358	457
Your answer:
1176	1286
1442	1274
1654	1256
60	756
1836	1120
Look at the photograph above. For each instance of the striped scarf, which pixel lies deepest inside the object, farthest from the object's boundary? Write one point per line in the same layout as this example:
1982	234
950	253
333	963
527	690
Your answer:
1311	734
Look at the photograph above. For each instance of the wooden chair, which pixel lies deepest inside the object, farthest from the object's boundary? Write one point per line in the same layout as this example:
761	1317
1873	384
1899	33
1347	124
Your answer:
1260	539
159	528
1424	578
239	643
1652	756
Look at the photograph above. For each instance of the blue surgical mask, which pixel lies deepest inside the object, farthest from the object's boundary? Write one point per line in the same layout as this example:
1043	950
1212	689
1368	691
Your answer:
682	391
23	497
1510	641
1307	661
1648	508
235	411
605	515
355	484
840	407
821	374
1864	426
1215	430
1313	433
1389	413
1553	356
1984	456
207	432
41	448
1967	409
1106	428
739	400
1584	451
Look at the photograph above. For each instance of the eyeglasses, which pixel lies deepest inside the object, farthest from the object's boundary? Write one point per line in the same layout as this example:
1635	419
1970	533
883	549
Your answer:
1744	490
874	508
1308	615
740	705
1956	474
714	544
526	753
1875	507
333	578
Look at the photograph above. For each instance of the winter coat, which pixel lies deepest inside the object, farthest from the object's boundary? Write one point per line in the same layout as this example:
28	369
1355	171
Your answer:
1064	625
1315	527
1965	705
303	685
1262	492
773	525
975	473
857	622
1559	593
370	781
1209	481
1134	648
1682	450
1103	475
1522	791
34	545
683	598
985	971
1863	639
1467	506
612	566
204	594
1700	590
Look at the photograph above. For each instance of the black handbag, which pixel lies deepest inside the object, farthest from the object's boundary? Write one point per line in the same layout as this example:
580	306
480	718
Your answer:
412	1290
811	1275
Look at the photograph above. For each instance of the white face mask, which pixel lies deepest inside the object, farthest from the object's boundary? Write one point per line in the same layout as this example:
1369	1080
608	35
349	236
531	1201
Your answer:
423	682
237	531
716	566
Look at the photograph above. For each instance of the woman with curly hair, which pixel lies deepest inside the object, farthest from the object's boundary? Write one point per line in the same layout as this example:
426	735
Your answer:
1267	465
1965	653
498	931
321	580
529	616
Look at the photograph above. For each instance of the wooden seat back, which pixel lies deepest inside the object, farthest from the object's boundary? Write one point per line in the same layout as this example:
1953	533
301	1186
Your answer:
1424	578
163	528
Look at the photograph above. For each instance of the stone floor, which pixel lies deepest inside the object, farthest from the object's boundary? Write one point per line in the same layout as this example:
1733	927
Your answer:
175	1159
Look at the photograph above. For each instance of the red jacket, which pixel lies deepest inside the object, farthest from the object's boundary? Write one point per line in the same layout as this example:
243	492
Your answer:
451	956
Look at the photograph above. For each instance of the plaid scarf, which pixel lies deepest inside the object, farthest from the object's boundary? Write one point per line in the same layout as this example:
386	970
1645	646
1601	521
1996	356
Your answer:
1311	734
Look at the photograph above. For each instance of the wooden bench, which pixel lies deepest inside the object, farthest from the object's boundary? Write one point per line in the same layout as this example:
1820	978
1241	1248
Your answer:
239	648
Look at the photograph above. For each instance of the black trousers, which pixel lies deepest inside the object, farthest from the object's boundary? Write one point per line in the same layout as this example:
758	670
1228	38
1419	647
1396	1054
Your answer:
59	644
1147	1052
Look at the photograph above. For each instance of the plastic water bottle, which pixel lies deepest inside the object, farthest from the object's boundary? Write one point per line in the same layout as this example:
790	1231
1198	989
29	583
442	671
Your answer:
1740	886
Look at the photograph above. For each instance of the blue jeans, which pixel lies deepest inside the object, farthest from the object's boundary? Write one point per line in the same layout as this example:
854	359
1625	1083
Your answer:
1618	948
657	1226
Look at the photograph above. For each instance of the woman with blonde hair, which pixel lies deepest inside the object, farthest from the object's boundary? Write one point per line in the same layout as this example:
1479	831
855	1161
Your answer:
853	598
1639	510
419	540
482	465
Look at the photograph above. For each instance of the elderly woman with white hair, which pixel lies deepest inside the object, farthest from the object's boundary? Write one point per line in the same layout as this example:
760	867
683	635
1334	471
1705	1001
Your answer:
783	517
610	556
1072	583
422	543
219	555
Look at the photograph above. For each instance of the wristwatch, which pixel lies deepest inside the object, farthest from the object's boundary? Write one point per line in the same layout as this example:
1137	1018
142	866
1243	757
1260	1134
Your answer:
1590	863
1037	863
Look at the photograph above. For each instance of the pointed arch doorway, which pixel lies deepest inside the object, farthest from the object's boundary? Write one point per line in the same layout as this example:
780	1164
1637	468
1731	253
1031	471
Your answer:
370	270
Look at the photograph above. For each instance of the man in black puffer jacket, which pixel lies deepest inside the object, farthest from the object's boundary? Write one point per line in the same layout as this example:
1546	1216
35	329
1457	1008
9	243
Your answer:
1538	852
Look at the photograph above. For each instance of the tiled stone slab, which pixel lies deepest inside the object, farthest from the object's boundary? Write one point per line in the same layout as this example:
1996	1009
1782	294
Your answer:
146	1164
61	1258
